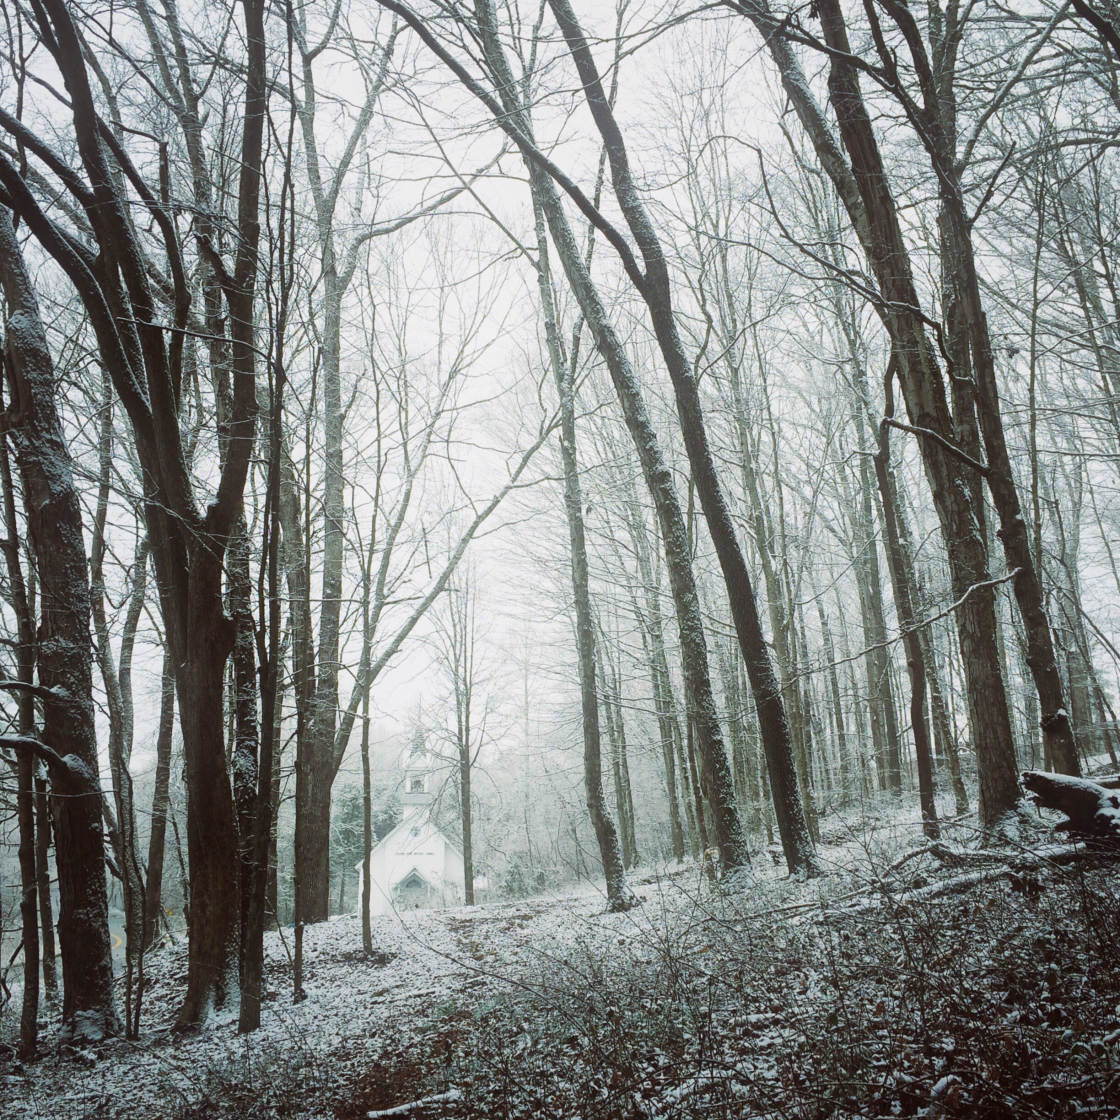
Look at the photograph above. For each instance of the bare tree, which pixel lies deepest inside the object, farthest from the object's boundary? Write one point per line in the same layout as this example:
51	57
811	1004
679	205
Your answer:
120	296
855	166
509	110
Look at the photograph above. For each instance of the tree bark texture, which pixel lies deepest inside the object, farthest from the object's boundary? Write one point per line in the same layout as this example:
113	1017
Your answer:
65	658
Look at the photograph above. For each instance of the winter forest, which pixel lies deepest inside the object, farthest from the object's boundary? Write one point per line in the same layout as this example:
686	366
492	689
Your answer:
559	559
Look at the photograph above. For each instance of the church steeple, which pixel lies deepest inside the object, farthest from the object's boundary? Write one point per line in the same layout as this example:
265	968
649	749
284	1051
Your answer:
417	773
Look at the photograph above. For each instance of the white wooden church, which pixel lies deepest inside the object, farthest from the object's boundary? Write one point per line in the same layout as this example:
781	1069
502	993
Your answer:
416	865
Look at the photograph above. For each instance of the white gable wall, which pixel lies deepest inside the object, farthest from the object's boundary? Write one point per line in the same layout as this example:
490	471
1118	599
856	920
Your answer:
416	843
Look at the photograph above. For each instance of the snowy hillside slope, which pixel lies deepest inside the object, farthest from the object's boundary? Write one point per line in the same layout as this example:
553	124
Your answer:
863	992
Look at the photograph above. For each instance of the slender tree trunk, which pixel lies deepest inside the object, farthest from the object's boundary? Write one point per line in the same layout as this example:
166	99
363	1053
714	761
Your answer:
616	734
161	796
838	721
320	755
43	874
367	830
627	793
118	690
653	641
904	602
884	725
465	824
30	881
618	893
766	542
29	918
245	749
1001	484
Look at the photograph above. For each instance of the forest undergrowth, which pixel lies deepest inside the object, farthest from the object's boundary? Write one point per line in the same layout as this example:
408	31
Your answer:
997	1003
891	986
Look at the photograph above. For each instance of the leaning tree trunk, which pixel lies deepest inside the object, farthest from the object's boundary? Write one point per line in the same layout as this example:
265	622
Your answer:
864	189
65	657
1027	585
655	469
763	528
654	287
949	475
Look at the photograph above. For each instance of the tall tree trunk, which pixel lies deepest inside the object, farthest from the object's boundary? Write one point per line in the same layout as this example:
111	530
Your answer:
961	268
117	681
145	362
655	469
257	744
884	725
65	659
766	542
245	749
367	830
465	822
654	287
320	762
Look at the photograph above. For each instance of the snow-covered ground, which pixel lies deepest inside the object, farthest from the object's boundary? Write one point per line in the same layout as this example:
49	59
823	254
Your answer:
731	986
428	967
427	962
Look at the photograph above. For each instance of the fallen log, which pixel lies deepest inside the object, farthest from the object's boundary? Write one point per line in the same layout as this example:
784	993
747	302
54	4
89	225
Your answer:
1092	810
412	1109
